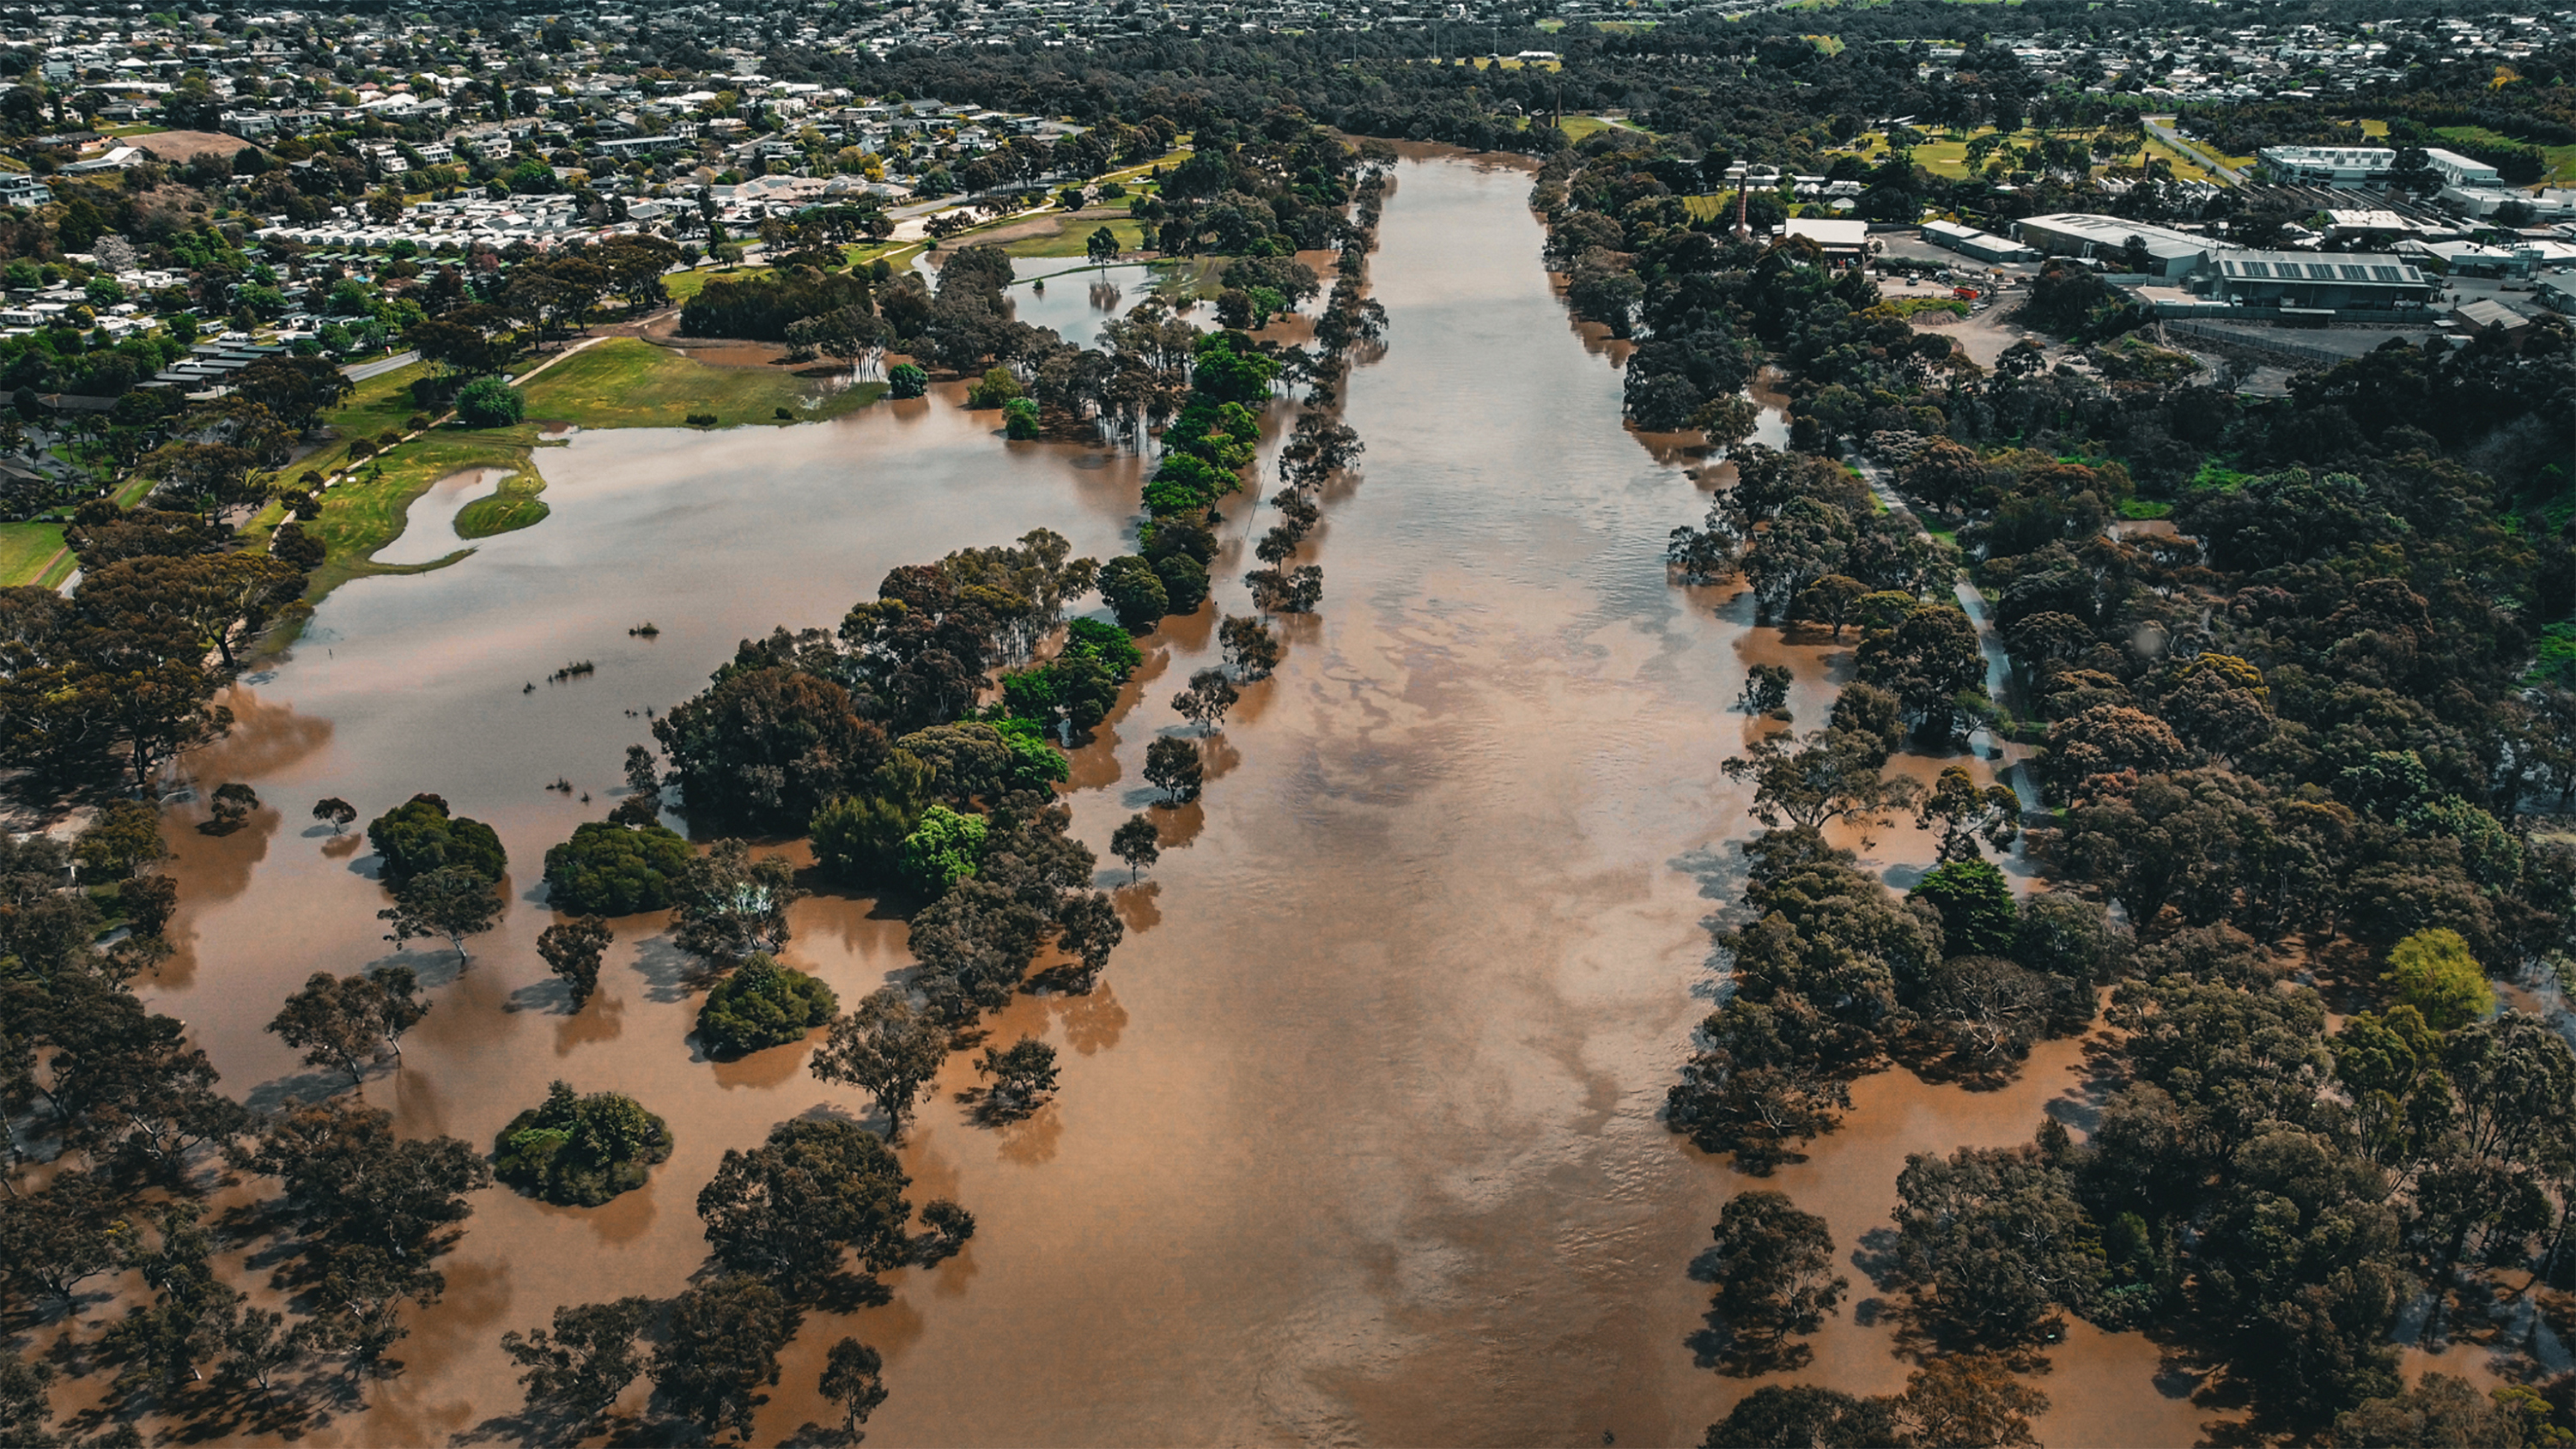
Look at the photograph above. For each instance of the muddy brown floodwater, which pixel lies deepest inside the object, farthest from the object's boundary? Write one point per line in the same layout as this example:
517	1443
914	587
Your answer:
1359	1142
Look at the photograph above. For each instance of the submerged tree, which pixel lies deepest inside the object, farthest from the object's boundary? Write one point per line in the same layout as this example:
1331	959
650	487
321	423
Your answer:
887	1048
454	901
573	950
351	1022
1775	1280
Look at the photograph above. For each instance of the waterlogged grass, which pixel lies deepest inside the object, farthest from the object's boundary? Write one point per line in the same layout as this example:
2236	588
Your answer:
367	512
626	383
503	512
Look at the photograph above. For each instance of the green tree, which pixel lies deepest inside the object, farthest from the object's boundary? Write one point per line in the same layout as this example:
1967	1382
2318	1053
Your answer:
608	869
1829	775
796	1211
124	839
762	1004
419	836
943	849
1775	1279
1135	592
579	1366
1023	1076
768	746
52	1241
886	1048
230	805
490	402
1991	1244
1804	1416
335	812
853	1378
1173	767
1967	813
2434	972
719	1349
572	950
906	380
454	901
1978	917
1138	842
728	905
580	1151
1020	419
350	1022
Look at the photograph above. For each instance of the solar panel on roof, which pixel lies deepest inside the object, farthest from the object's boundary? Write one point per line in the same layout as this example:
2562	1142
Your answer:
2386	274
2257	269
2355	274
2319	271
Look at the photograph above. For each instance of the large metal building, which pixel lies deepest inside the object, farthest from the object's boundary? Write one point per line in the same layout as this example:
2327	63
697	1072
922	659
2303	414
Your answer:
2169	254
2320	284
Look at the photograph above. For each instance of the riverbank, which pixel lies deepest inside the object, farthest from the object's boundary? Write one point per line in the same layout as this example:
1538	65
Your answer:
607	383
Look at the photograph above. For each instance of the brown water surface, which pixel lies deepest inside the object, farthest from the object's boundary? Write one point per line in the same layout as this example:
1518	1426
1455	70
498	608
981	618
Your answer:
1358	1142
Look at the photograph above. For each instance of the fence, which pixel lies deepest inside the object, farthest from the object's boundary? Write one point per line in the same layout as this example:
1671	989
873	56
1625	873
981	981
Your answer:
2258	341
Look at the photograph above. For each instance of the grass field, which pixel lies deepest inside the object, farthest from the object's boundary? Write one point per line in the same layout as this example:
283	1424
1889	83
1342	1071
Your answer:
2186	166
1578	127
2562	159
30	550
626	383
684	285
378	405
1073	236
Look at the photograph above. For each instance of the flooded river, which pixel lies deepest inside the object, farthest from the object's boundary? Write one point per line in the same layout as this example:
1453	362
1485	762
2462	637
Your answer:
1358	1143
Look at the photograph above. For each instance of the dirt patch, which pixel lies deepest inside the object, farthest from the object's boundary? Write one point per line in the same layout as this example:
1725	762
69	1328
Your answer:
182	145
1984	336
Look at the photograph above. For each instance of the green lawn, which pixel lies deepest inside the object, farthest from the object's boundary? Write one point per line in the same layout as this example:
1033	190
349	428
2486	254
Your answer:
626	383
378	405
2562	159
29	551
1578	127
684	285
1073	235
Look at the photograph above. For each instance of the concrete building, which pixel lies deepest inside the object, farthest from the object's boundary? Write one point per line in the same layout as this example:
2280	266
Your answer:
2458	170
1967	241
2320	287
1841	241
2345	166
2160	252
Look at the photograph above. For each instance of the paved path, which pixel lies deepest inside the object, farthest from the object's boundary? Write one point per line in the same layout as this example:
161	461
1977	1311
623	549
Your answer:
2010	756
361	371
2212	164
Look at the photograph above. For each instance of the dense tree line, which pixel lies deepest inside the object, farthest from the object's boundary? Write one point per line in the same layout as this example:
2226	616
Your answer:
2294	748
